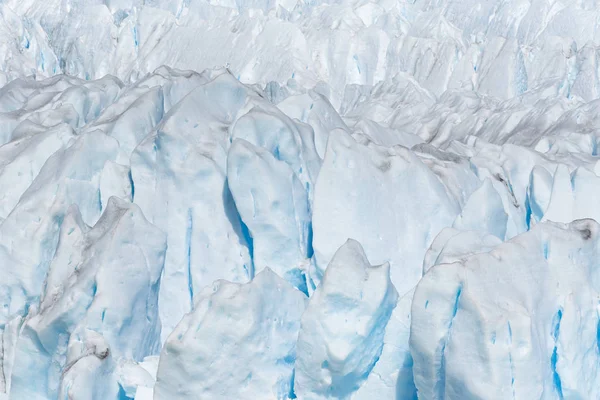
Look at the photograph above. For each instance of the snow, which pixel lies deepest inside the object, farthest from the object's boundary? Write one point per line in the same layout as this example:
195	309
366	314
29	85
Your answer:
252	199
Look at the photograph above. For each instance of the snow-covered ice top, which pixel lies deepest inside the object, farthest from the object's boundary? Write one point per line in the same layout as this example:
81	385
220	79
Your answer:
299	200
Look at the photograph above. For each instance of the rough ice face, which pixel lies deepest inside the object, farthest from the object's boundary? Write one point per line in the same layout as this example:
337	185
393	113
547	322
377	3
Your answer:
29	234
500	50
288	141
573	195
70	345
137	115
484	212
314	109
392	375
239	342
523	318
274	206
429	131
29	106
454	245
397	191
343	327
22	160
179	175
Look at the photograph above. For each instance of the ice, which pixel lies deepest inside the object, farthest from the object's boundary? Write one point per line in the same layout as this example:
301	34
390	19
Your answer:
484	212
23	158
70	345
186	157
341	337
314	109
193	194
453	245
392	376
29	234
523	318
275	211
240	342
500	49
397	191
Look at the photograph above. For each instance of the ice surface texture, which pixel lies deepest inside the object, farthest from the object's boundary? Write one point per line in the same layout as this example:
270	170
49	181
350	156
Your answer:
348	200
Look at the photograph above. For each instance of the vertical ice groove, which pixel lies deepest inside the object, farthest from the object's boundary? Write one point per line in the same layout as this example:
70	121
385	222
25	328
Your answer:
554	358
441	375
188	255
132	185
510	360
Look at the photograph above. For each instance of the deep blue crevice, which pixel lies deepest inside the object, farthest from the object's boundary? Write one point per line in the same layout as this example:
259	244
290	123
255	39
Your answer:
309	245
298	278
188	246
555	375
132	186
250	242
122	395
528	213
292	393
556	323
554	357
598	336
441	381
456	301
405	384
240	228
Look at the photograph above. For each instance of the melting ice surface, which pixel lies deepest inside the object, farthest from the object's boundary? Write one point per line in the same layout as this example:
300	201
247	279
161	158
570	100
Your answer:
281	199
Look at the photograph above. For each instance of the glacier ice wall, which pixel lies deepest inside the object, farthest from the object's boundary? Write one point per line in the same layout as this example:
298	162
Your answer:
527	312
279	199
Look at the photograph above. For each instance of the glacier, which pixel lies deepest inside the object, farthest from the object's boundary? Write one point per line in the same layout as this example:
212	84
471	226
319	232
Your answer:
310	199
